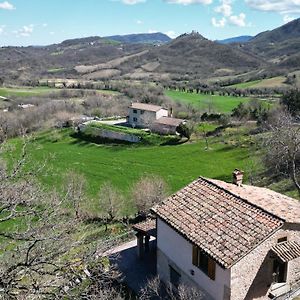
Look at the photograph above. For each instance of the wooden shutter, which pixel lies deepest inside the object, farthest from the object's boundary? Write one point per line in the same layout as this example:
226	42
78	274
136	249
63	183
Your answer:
195	256
211	269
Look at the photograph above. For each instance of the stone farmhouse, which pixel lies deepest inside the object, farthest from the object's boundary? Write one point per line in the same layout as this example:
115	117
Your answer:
154	117
230	240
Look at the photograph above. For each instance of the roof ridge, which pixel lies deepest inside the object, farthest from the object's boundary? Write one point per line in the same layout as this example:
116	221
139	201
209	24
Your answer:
243	199
184	211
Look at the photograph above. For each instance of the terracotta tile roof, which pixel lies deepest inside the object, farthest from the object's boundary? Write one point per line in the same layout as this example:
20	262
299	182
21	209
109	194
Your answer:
146	107
287	251
280	205
147	227
169	121
224	225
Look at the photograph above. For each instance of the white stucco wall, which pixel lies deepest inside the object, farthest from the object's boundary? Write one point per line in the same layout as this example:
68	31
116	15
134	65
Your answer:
174	250
162	113
143	120
146	118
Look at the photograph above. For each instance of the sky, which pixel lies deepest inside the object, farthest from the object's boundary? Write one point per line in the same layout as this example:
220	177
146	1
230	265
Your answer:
43	22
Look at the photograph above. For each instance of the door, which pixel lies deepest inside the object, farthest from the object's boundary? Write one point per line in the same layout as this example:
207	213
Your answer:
279	271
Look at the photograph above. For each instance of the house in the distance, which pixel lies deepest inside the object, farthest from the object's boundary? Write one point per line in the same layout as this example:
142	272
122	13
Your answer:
154	117
230	240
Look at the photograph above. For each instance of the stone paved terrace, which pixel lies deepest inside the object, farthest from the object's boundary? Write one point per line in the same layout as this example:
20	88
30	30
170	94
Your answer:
136	272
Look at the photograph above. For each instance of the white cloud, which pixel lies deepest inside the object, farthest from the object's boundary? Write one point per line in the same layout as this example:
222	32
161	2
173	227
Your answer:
239	20
51	33
6	5
281	6
225	8
188	2
45	25
287	19
172	34
132	2
218	23
2	29
25	31
139	22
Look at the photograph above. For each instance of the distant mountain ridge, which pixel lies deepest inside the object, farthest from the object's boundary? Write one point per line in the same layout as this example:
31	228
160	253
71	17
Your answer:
155	56
141	38
281	45
238	39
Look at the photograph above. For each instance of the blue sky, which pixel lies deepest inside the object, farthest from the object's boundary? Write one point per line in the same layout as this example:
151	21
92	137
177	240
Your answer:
41	22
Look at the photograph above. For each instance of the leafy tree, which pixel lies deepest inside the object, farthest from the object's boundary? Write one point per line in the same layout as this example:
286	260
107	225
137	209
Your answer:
240	112
292	101
185	130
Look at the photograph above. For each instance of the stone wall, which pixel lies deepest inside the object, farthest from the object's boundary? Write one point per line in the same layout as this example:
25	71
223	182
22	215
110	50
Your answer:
251	277
163	129
112	135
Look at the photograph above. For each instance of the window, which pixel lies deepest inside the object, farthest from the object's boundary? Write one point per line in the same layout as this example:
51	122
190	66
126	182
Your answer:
142	112
174	277
204	262
135	111
283	239
134	119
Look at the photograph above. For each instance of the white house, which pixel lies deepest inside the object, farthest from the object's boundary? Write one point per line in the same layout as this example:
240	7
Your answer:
143	115
232	241
154	117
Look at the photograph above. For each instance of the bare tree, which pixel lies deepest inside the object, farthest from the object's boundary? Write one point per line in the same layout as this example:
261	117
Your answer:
111	201
43	256
283	146
148	191
156	289
75	191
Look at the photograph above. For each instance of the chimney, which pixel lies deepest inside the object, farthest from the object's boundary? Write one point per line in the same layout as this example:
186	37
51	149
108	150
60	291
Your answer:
171	112
238	177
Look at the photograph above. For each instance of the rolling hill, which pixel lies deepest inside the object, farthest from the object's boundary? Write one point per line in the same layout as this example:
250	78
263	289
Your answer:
157	57
190	56
238	39
280	46
157	38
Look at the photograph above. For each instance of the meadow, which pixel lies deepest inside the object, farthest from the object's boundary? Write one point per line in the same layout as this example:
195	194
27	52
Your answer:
24	92
123	165
40	90
215	103
274	82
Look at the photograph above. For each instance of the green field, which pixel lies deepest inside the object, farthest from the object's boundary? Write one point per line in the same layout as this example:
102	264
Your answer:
216	103
274	82
24	92
40	90
123	165
245	85
56	70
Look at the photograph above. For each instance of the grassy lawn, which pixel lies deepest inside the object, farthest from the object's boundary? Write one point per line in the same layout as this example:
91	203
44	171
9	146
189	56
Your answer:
35	91
56	70
123	165
245	85
222	104
264	83
24	92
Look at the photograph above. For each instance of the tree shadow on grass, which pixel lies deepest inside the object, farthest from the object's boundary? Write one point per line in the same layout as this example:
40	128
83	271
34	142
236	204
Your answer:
175	142
84	140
